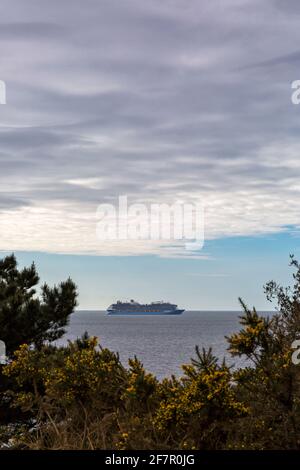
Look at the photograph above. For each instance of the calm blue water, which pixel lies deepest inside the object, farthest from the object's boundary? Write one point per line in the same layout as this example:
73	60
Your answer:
162	343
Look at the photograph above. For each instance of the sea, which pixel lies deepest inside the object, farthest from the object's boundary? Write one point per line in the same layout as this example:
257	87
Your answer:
162	342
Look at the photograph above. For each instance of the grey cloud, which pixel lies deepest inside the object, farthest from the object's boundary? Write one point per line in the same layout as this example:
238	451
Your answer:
290	7
30	30
152	98
8	202
288	59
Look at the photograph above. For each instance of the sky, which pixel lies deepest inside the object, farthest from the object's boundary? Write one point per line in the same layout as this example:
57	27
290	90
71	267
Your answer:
161	101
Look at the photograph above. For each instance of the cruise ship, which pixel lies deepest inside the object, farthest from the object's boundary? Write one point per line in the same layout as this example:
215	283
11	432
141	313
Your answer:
135	308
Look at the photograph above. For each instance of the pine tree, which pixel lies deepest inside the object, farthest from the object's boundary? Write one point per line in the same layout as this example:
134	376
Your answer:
26	317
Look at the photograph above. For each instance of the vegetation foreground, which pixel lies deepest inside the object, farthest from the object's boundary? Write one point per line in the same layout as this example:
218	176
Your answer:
81	397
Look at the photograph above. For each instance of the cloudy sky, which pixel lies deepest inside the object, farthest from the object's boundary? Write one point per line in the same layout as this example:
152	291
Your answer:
159	100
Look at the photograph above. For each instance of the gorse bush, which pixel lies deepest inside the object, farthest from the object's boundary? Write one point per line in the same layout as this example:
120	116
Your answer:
81	397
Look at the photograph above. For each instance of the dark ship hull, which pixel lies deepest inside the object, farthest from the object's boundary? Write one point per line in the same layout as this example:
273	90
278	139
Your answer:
143	312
